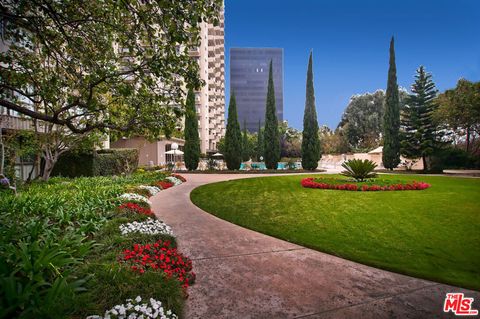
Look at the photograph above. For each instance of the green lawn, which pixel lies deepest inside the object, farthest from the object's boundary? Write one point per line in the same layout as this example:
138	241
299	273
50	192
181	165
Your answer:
432	234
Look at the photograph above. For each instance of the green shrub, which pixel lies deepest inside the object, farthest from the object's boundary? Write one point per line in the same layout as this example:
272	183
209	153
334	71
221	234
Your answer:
115	162
454	158
74	164
96	163
359	169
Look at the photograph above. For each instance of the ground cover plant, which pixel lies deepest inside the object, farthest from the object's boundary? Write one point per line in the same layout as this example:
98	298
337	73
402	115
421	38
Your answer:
432	234
365	185
60	242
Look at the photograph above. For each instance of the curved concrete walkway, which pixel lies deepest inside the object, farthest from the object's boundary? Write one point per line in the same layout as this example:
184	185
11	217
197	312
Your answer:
245	274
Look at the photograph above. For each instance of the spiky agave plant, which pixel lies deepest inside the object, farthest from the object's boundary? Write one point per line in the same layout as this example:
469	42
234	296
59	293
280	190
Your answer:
359	169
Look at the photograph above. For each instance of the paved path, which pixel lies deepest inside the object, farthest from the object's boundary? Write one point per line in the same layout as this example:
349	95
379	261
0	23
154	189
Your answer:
245	274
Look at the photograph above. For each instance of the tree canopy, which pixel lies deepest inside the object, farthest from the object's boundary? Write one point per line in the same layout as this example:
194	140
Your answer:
101	65
362	120
459	109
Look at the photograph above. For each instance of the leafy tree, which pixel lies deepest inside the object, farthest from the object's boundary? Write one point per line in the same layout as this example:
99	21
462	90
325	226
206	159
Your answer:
290	141
107	66
310	140
459	109
192	140
246	150
111	65
271	137
233	137
420	136
333	142
362	120
260	143
391	119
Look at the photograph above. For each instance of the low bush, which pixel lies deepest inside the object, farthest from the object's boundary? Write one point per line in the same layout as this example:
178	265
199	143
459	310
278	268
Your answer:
358	169
115	162
96	163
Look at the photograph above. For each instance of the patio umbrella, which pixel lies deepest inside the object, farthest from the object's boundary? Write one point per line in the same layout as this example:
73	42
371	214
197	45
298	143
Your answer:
217	155
174	152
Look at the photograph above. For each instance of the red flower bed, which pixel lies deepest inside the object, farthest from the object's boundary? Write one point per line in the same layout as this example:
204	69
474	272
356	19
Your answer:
180	177
164	184
135	208
310	182
160	257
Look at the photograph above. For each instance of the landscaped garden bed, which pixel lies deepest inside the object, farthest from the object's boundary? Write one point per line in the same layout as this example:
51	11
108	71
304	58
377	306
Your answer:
368	185
63	244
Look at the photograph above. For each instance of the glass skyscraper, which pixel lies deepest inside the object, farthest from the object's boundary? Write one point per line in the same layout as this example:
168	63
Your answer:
249	82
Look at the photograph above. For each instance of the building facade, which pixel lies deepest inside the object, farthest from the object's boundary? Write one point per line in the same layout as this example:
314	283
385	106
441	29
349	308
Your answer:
210	99
249	81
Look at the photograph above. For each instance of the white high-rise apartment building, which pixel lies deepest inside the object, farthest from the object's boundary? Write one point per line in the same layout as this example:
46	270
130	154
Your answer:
210	99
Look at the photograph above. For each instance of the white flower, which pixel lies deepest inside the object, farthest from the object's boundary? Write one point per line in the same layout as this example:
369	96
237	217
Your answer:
153	190
175	181
135	197
149	226
137	310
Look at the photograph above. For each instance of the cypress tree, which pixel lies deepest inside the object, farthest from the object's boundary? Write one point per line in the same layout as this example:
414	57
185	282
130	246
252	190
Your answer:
233	137
391	119
310	140
245	146
192	140
259	141
420	137
271	137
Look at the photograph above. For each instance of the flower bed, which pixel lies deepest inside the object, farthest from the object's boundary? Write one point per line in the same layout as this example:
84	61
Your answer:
180	177
150	227
375	185
152	190
175	181
164	184
129	197
160	256
135	309
130	207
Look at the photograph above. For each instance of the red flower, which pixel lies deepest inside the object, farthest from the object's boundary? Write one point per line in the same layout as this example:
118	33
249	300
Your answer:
135	208
164	184
311	182
160	256
180	177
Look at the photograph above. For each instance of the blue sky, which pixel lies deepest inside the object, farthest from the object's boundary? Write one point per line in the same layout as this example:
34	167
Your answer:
350	42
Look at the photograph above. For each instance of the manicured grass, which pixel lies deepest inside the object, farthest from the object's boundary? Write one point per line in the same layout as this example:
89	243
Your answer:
432	233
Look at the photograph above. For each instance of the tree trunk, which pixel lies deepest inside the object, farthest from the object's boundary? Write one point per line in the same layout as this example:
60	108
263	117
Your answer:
468	139
35	164
2	152
424	161
50	161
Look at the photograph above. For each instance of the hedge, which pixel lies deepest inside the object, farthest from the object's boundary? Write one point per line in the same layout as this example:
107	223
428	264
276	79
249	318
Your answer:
97	163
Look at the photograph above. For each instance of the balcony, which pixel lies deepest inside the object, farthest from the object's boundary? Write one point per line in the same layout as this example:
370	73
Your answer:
15	123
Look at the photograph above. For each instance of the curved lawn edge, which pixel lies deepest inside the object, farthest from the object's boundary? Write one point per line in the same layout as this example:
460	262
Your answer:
384	264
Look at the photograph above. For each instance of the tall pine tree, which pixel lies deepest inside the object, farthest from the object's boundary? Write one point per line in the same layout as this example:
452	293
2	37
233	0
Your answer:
259	141
233	137
391	119
245	146
271	136
420	136
192	140
310	140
